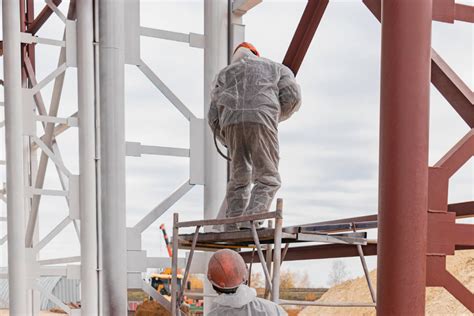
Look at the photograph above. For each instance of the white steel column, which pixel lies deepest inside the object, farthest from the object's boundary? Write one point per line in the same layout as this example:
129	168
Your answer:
215	58
17	273
112	160
87	183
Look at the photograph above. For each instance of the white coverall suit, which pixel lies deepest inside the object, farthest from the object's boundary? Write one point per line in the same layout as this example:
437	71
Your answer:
251	96
244	302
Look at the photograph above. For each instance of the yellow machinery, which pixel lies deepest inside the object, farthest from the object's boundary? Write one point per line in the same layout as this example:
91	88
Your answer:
161	282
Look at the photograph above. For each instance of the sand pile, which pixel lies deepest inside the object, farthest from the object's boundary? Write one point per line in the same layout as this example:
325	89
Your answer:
152	308
438	300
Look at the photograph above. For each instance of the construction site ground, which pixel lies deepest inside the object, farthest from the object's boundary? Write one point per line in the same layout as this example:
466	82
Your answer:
438	300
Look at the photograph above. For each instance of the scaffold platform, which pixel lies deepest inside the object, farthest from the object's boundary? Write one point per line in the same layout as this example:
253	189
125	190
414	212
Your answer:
245	238
267	243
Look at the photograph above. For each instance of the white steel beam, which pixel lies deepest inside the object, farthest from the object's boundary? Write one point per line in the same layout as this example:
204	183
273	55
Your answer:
56	10
155	213
60	261
215	58
58	71
53	233
52	298
166	91
194	40
216	44
47	138
240	7
136	149
112	156
17	272
87	165
58	162
27	38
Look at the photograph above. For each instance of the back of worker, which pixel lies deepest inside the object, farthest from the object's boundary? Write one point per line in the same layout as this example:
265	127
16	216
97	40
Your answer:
249	91
244	302
228	275
251	96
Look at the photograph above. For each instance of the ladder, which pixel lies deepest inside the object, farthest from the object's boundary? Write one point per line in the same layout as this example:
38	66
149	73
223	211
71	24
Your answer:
256	239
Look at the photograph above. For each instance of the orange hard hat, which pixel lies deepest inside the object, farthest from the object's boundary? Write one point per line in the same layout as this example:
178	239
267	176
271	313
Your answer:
227	270
249	46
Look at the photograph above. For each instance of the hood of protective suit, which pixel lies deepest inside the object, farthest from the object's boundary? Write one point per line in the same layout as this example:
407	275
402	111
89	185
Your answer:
241	53
244	302
241	297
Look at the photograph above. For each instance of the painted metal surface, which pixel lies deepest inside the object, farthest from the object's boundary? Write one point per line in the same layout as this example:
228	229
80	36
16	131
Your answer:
304	34
216	44
87	158
455	237
451	86
65	290
15	149
112	157
444	234
216	53
403	166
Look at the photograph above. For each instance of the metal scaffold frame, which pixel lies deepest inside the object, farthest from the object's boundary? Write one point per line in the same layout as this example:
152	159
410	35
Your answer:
112	258
272	260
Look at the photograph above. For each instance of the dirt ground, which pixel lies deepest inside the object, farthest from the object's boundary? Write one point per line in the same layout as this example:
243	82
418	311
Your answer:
438	300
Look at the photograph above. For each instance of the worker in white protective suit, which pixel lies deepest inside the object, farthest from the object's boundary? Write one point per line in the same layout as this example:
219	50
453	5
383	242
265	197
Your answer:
251	96
228	275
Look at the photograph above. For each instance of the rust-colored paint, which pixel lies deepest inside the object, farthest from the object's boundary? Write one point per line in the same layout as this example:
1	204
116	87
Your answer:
444	235
42	17
304	34
442	232
451	86
464	12
403	177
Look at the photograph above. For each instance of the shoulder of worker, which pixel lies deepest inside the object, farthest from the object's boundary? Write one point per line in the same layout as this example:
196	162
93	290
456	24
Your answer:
270	307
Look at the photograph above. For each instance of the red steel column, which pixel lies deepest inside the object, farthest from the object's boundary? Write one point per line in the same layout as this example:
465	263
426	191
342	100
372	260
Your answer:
403	186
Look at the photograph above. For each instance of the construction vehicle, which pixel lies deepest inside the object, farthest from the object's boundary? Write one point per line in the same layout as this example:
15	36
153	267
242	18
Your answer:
161	282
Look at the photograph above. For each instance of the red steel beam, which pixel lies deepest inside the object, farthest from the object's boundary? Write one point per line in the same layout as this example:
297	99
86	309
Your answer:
42	17
403	168
319	252
30	17
330	251
438	276
463	12
463	209
456	92
449	11
304	34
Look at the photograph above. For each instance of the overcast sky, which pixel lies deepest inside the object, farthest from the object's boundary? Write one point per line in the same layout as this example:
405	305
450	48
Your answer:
329	149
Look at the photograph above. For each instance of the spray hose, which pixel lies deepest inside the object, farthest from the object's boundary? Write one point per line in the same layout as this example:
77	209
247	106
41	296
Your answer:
217	146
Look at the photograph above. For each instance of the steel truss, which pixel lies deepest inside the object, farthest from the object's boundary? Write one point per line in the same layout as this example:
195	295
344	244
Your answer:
431	183
90	44
30	150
